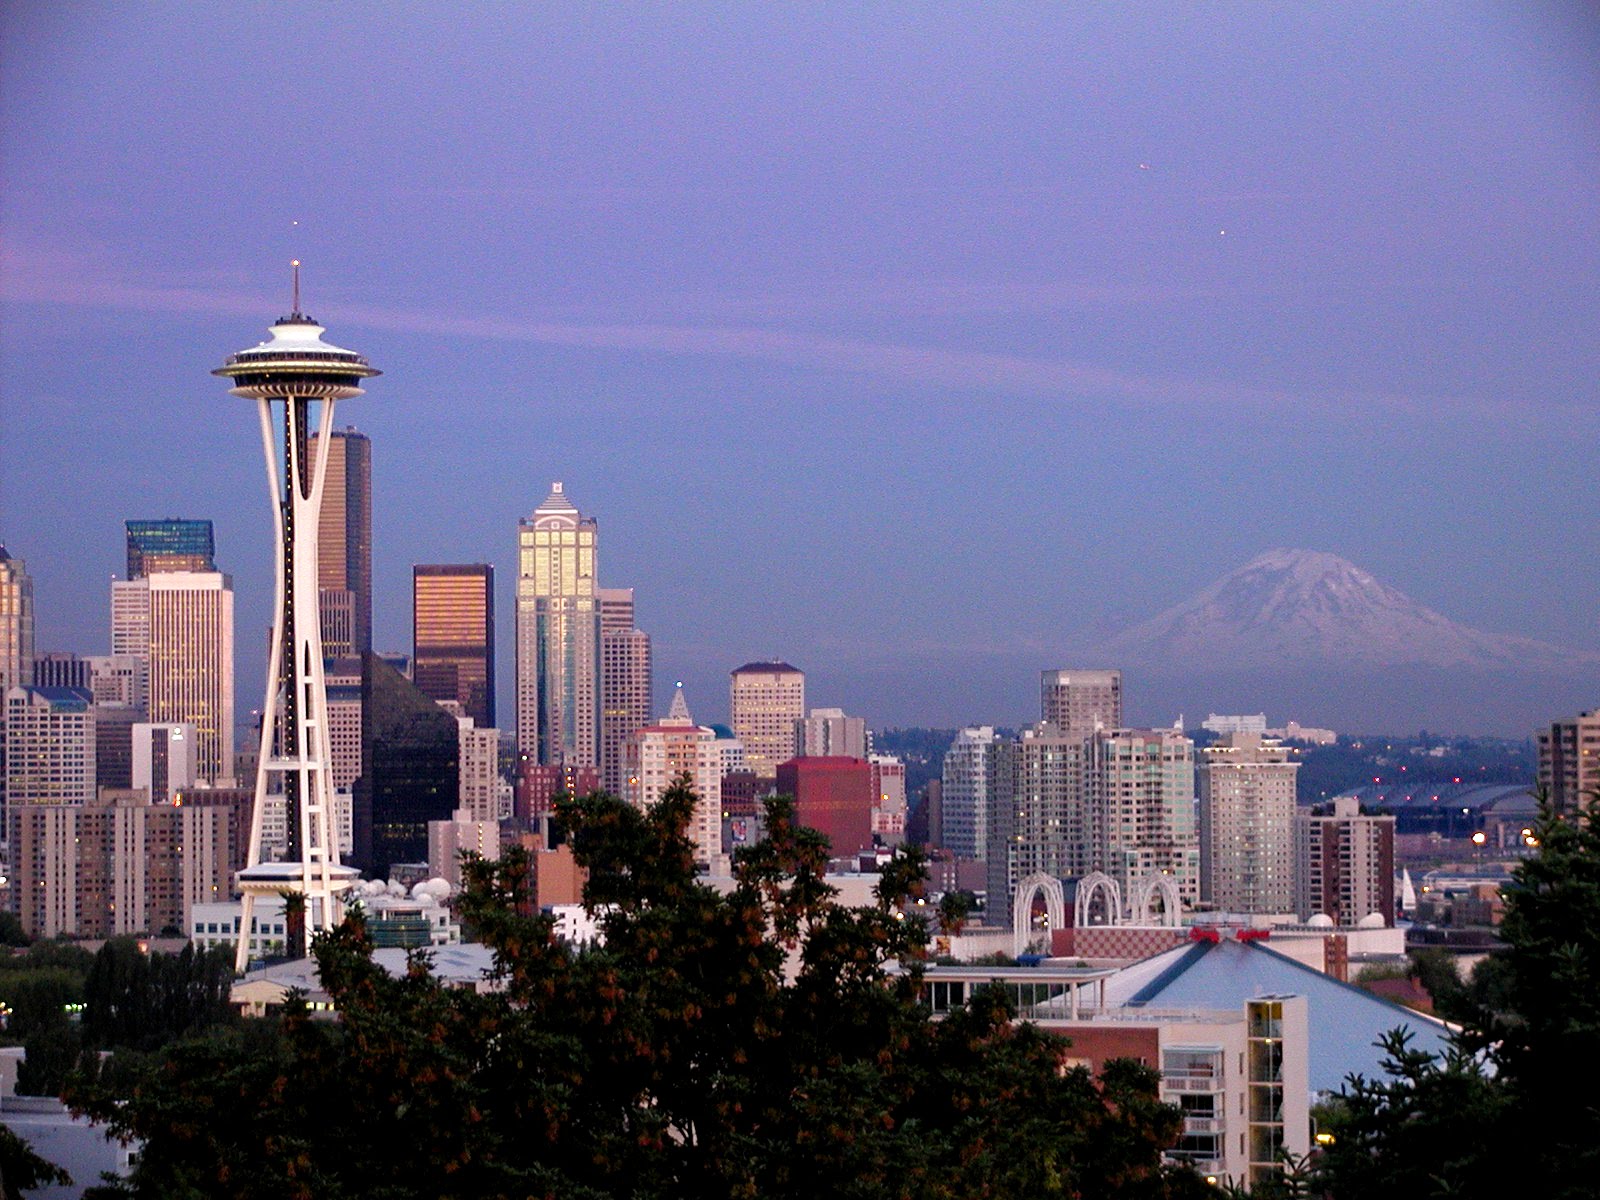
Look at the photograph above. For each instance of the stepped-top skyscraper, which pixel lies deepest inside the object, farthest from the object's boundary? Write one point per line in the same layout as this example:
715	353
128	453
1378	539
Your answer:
169	544
306	375
558	635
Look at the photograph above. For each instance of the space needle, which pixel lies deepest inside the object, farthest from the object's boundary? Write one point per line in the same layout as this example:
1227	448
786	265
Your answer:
304	375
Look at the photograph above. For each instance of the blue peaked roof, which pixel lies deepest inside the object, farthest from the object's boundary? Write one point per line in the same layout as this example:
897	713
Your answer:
1345	1021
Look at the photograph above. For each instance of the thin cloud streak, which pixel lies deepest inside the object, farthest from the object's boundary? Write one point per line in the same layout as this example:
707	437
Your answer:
36	278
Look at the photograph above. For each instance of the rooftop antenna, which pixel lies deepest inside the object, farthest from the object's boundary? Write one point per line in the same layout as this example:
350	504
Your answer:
294	263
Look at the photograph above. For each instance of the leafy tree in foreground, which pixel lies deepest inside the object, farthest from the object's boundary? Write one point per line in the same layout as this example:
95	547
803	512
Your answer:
1508	1110
751	1044
21	1170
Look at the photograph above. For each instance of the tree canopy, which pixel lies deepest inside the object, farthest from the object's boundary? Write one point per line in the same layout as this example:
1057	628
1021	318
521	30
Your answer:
1507	1109
756	1043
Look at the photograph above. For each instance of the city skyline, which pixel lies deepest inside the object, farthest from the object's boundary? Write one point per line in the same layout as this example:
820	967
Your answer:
1140	298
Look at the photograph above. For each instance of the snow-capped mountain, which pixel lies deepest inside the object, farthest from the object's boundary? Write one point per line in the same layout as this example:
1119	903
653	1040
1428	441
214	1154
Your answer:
1301	608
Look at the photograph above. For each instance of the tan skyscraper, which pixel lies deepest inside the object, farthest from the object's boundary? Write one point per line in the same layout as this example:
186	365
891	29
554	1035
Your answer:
625	681
16	623
344	544
452	622
558	635
1079	702
765	700
191	661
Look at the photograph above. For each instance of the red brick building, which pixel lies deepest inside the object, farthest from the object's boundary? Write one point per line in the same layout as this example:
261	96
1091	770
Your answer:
834	796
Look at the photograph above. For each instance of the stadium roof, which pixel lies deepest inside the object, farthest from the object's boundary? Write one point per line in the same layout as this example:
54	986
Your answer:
1345	1021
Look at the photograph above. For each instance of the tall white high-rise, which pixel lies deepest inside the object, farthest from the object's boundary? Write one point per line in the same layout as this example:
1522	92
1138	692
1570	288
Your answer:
1141	808
478	772
1037	814
16	645
558	635
967	784
306	375
1247	811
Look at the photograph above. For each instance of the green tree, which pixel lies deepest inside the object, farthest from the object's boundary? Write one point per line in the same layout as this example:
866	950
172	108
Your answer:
21	1170
11	931
1501	1110
134	999
756	1043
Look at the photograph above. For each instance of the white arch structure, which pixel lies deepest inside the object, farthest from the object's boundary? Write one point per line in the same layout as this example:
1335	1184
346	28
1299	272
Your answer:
1055	908
1149	890
1088	886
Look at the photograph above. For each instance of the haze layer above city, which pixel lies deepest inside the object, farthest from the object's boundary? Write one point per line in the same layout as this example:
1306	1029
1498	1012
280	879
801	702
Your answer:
923	347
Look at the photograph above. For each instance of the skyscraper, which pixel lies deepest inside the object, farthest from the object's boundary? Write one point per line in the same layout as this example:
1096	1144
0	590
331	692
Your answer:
1344	864
1141	808
1247	811
344	543
1037	812
16	623
410	769
828	732
191	661
967	781
625	681
558	635
169	544
657	754
765	699
452	624
1081	701
1569	761
50	733
306	375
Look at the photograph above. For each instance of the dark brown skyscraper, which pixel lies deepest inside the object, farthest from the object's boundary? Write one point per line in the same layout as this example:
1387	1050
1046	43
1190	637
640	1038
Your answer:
344	545
452	611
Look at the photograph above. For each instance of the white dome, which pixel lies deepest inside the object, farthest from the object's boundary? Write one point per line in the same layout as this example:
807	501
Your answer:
1321	921
1371	921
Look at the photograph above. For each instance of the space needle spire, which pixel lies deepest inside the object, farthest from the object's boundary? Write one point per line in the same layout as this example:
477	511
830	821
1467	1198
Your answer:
295	378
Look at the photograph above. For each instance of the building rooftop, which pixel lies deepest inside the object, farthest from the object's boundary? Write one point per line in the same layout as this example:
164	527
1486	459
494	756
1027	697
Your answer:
1346	1021
775	667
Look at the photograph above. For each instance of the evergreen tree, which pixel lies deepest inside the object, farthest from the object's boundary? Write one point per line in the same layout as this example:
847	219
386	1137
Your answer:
1507	1109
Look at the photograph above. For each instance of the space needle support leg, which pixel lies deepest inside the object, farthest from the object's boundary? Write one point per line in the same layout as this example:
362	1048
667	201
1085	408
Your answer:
269	709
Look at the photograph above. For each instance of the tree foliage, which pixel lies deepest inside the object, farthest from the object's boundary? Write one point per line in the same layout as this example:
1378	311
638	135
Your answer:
21	1170
749	1044
142	1001
1506	1108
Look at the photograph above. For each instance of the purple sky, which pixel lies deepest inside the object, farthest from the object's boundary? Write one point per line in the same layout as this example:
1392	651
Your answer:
903	342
